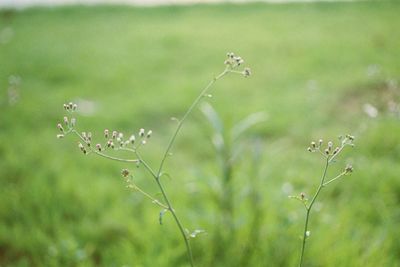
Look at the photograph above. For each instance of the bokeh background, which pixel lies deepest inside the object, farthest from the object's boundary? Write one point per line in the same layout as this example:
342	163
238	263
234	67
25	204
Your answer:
319	70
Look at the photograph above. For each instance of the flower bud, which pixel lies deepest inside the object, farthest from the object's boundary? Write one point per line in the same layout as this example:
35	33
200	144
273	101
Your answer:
73	122
82	148
89	136
149	134
59	126
330	145
348	169
125	173
132	139
98	147
246	72
59	136
66	121
114	134
110	143
141	132
106	133
336	150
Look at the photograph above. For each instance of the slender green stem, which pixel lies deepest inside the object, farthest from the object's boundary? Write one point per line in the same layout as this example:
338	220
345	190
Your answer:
168	207
308	211
154	200
334	179
190	109
178	223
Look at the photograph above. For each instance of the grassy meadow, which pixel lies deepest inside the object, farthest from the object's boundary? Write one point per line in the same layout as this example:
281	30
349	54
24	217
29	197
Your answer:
319	70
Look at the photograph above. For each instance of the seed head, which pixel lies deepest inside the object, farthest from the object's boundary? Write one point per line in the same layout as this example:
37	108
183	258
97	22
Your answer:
336	150
125	173
246	72
141	132
82	148
59	126
348	169
110	143
98	147
330	145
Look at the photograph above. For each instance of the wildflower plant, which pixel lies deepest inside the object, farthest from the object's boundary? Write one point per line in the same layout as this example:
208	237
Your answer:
116	141
329	154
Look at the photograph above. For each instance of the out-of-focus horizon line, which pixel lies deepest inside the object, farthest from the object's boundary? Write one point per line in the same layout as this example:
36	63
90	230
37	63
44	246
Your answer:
32	3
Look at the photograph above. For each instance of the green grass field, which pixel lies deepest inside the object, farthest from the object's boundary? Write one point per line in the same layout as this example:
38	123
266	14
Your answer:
316	67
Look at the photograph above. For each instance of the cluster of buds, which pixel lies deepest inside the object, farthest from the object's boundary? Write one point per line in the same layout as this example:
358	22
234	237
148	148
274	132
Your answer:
87	137
70	106
329	150
234	61
69	123
118	138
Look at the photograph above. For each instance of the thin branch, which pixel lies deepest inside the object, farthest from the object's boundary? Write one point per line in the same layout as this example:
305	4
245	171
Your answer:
333	179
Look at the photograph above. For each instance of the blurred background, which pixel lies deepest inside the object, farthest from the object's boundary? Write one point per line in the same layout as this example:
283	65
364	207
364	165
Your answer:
320	70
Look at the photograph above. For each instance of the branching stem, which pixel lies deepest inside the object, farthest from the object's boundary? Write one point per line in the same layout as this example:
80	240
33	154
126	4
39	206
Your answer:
157	175
102	154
